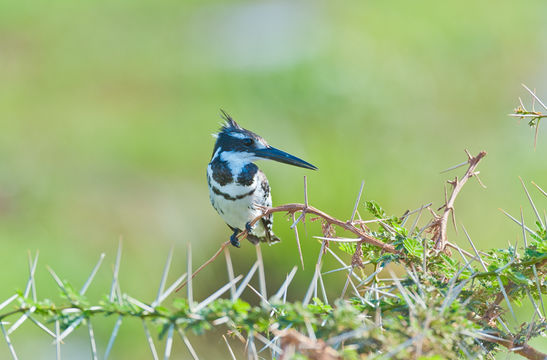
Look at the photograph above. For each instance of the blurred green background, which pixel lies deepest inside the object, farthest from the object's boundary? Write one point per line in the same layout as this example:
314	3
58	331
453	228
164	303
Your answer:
106	111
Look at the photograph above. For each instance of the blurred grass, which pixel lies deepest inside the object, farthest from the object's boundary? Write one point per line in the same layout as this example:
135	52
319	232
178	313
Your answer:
106	109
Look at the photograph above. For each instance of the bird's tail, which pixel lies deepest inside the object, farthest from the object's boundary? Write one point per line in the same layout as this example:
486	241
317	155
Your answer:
269	238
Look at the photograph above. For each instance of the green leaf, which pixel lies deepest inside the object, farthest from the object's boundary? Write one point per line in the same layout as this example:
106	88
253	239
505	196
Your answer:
414	247
375	209
348	248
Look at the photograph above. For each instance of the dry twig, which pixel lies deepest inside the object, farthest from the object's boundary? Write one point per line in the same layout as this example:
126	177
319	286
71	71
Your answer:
534	117
292	208
522	349
440	224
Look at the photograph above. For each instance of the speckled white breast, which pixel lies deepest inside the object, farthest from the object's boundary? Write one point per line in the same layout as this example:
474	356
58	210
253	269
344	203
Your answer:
239	212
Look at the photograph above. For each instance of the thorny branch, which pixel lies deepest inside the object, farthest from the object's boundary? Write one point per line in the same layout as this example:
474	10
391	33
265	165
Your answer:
292	340
493	310
524	350
307	209
440	225
533	116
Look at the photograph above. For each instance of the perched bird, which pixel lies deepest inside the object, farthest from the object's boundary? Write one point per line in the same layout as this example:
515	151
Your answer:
237	185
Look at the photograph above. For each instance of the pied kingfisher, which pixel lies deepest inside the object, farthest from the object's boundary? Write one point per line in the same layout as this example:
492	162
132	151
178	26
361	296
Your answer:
236	184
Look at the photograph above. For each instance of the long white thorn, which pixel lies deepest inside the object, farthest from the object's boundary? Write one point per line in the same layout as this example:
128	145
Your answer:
169	342
342	263
71	328
8	341
533	93
116	272
268	343
285	285
298	243
42	326
311	288
264	300
229	348
518	222
57	341
357	202
189	288
540	189
21	320
323	291
8	301
31	283
402	290
230	269
92	340
164	276
261	273
150	340
113	337
347	283
246	280
474	248
169	290
532	203
217	294
92	275
188	344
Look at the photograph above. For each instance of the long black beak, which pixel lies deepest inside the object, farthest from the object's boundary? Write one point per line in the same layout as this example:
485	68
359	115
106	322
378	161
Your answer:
281	156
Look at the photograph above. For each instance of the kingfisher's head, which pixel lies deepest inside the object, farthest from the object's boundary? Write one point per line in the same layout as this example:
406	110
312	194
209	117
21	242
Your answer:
236	144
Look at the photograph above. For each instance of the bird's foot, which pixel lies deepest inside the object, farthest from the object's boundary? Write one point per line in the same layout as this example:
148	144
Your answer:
248	227
233	239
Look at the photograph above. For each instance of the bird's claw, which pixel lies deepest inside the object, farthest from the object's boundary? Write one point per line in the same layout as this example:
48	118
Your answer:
233	240
248	227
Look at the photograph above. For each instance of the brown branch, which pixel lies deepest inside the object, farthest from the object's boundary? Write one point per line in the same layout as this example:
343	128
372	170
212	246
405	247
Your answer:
292	208
493	310
292	340
304	208
224	244
441	223
522	349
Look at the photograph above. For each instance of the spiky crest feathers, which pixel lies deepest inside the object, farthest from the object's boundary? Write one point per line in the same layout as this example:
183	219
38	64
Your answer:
230	123
232	128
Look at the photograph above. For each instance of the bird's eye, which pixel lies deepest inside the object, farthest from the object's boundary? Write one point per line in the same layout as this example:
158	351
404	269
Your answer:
248	141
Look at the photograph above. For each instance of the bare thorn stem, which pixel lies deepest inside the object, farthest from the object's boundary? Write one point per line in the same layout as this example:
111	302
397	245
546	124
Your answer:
474	249
229	348
188	271
92	275
298	243
523	229
357	202
292	208
116	272
261	273
164	275
230	269
454	167
531	202
533	93
188	344
540	189
441	237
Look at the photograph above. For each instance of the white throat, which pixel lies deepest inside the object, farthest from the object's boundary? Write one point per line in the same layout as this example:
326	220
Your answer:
237	160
